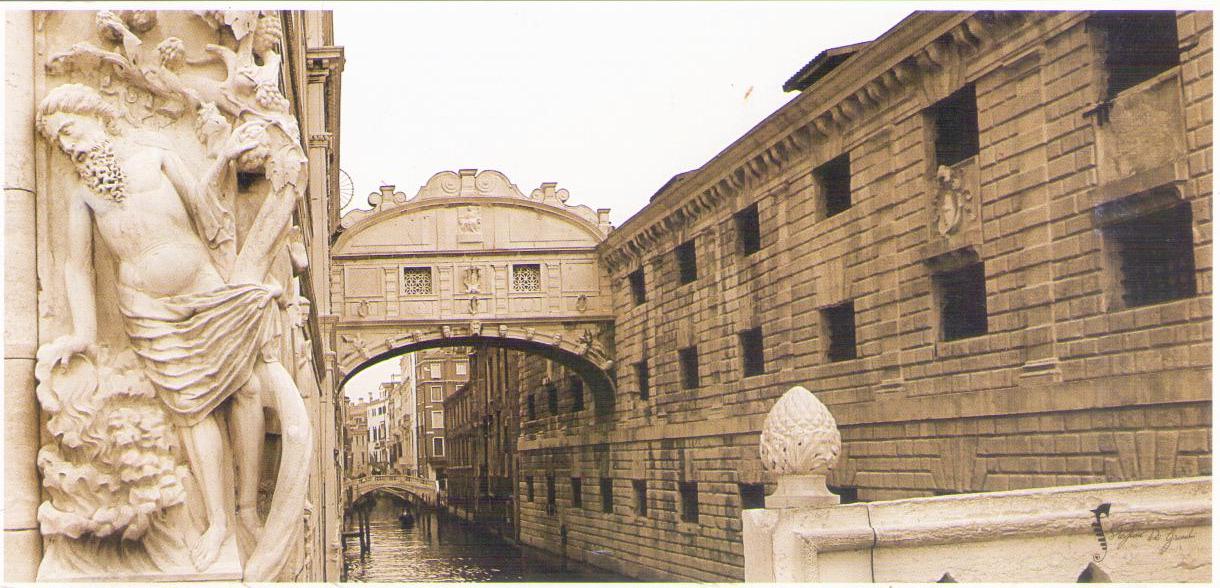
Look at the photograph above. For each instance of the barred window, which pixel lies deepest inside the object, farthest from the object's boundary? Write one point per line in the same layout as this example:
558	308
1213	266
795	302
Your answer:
689	499
1139	45
641	497
839	327
527	277
1156	260
416	280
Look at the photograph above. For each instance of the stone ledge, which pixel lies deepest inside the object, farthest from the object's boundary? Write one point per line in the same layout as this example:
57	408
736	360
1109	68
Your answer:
1031	397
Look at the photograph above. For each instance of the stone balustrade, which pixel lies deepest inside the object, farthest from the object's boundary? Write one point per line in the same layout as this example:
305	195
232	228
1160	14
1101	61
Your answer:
1144	531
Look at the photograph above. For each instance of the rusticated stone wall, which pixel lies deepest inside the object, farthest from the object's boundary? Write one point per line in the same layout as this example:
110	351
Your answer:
1069	384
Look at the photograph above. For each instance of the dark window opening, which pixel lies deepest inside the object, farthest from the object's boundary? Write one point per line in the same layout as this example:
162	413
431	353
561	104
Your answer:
751	351
607	488
641	497
963	302
636	279
840	329
1139	45
550	494
1156	256
956	120
688	358
747	229
577	386
577	498
530	412
529	488
641	378
834	184
552	399
752	495
689	497
847	494
688	268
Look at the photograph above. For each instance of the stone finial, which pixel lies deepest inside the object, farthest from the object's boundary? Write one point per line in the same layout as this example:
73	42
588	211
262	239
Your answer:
800	443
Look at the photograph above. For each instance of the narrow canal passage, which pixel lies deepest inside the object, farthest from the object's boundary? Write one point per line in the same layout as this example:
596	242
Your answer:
441	548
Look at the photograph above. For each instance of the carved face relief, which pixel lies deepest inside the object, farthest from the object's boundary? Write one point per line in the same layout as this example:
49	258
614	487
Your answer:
76	134
84	139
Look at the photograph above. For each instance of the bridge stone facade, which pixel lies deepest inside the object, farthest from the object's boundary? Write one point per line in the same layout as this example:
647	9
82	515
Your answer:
470	260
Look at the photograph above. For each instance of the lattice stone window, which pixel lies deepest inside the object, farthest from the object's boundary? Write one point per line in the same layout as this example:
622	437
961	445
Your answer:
527	277
416	280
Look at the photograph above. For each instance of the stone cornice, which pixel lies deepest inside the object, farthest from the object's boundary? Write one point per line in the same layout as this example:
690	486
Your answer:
884	70
325	60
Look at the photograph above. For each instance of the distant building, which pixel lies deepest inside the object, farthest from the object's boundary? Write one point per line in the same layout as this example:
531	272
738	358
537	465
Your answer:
379	420
481	433
356	440
439	373
403	406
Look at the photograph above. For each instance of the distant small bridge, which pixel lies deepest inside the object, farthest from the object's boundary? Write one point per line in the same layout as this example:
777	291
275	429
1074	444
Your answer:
408	488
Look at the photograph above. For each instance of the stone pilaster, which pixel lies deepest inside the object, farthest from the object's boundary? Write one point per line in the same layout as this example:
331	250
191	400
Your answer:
22	493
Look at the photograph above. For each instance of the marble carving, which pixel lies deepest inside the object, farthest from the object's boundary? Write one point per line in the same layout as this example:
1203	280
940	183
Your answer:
800	443
154	467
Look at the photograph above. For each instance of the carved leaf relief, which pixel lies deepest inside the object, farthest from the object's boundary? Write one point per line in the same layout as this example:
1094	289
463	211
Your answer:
799	435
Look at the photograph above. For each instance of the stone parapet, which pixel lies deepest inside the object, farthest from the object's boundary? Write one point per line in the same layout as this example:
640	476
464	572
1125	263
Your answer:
1153	531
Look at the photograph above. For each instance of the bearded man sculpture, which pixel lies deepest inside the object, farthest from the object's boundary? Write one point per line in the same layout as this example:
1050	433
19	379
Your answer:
204	343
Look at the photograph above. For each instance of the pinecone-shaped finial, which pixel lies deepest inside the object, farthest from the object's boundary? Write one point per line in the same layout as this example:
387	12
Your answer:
800	443
799	435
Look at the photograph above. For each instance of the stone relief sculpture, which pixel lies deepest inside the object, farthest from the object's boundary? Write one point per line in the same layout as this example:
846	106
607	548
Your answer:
140	433
472	280
356	347
469	220
952	201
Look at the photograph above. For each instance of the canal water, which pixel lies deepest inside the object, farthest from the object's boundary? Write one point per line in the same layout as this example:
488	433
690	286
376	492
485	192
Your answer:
442	548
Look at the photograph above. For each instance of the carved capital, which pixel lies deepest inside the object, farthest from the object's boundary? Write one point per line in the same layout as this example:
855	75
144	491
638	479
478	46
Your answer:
320	140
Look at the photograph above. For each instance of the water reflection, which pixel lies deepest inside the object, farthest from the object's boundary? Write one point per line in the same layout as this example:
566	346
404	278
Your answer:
440	548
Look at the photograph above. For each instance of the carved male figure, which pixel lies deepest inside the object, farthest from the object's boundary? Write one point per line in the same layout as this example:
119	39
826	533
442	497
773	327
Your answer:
203	342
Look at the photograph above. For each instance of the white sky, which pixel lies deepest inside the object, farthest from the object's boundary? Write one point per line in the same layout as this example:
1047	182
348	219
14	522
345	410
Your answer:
362	385
608	100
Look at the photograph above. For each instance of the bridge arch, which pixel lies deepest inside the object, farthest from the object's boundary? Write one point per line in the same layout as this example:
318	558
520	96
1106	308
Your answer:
472	261
402	487
585	356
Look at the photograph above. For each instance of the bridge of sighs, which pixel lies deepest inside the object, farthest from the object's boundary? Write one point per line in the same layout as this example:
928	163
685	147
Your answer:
471	260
